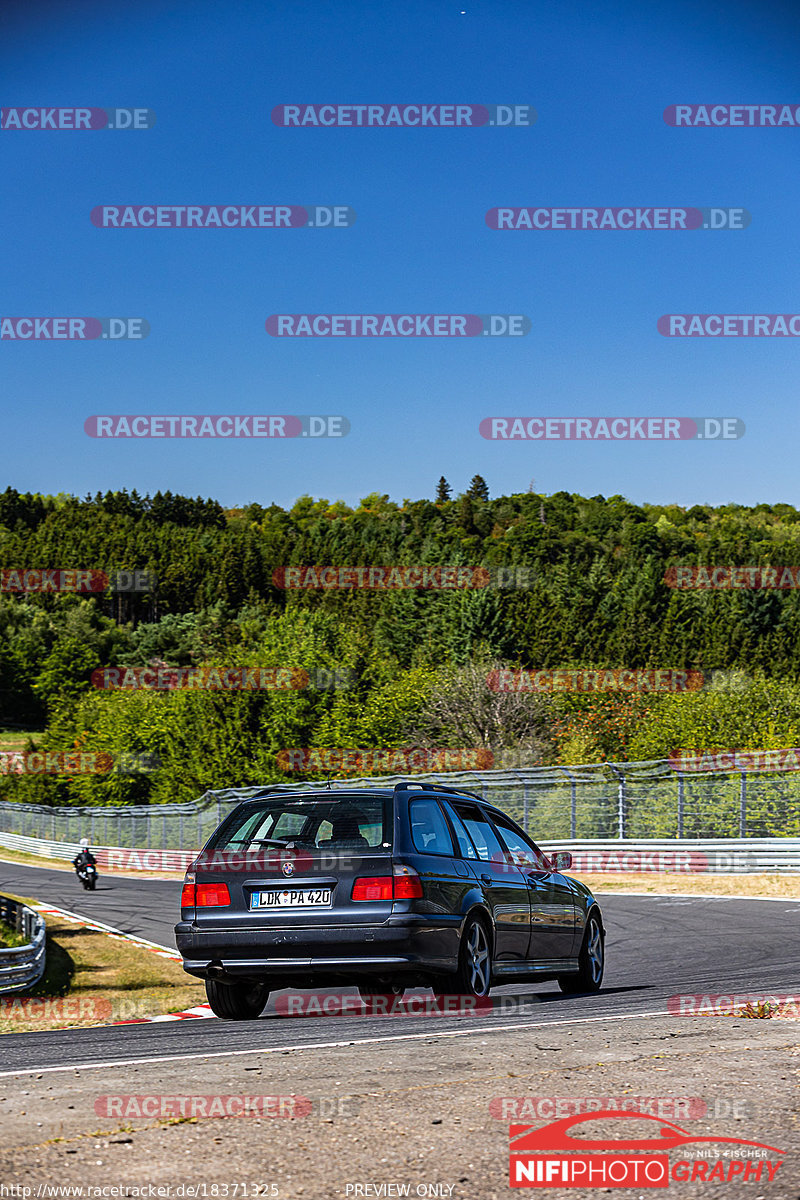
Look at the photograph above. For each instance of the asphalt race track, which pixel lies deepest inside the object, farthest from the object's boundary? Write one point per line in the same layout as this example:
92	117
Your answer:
656	947
145	907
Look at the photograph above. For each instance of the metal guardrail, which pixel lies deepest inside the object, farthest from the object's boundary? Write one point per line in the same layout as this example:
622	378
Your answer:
691	856
22	966
42	847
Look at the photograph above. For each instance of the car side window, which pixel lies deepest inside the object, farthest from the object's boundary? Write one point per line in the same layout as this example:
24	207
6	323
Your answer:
429	829
524	852
463	839
482	834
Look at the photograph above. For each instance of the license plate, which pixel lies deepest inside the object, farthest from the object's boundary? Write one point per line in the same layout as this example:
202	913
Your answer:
299	898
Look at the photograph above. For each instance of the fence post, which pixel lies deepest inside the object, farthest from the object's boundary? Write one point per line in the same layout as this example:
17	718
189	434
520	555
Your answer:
524	779
680	804
620	800
573	803
181	843
743	806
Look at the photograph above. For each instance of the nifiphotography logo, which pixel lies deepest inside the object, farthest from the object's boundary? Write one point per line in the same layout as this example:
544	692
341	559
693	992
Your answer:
553	1156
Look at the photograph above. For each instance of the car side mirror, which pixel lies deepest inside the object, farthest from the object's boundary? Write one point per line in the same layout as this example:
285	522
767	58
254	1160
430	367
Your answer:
561	860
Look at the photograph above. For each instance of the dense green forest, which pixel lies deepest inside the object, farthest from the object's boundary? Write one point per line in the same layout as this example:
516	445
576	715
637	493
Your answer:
389	668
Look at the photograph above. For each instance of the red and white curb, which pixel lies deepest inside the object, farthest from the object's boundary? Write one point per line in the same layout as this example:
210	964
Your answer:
199	1011
109	930
202	1011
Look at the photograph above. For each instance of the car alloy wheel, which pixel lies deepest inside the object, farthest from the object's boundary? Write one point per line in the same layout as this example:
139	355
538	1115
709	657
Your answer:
591	960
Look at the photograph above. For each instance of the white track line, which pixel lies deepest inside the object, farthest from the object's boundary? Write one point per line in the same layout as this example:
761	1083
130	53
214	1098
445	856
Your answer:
401	1037
698	896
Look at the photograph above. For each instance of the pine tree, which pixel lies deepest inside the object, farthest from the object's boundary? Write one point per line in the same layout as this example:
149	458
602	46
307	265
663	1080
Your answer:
443	490
478	488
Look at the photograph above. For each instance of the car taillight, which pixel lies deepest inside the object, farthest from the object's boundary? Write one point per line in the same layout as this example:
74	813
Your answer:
403	884
212	895
407	883
372	887
187	893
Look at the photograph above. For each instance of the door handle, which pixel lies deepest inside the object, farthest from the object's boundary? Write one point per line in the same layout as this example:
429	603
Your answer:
487	879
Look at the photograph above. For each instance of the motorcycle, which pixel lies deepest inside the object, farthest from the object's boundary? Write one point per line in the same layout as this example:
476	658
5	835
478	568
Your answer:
87	873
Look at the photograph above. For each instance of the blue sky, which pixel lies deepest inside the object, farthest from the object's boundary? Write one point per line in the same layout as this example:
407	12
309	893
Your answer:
599	77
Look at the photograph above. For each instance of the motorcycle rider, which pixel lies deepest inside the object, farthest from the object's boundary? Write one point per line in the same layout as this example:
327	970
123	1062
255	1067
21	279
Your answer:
84	857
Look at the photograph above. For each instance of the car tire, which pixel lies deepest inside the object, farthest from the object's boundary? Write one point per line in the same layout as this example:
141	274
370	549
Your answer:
236	1001
473	977
591	960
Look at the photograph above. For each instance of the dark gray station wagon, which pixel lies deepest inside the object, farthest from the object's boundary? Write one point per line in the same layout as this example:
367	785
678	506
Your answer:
420	885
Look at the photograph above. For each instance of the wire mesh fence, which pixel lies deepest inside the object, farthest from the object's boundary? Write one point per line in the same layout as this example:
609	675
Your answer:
602	800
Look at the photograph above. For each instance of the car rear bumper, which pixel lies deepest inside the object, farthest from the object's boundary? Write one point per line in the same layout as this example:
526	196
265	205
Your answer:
414	947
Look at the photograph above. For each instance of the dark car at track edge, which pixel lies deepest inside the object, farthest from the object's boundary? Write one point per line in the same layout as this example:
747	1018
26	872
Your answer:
384	889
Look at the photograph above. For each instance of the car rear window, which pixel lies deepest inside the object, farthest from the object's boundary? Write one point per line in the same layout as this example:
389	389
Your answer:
326	822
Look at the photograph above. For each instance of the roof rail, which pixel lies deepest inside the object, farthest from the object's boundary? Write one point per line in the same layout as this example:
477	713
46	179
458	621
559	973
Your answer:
407	784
